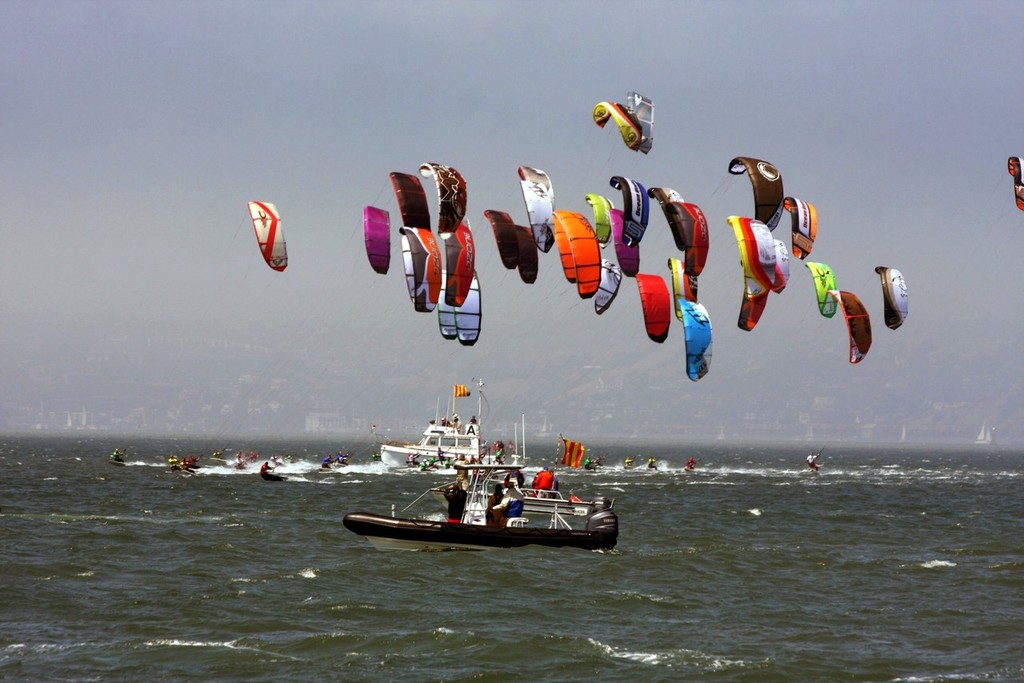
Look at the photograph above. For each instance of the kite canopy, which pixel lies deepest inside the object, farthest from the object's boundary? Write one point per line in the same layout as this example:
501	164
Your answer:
781	267
805	225
767	185
688	225
267	223
611	278
412	201
460	264
451	196
824	281
697	330
580	252
858	323
462	322
636	209
628	256
422	259
377	235
1015	166
894	296
683	286
540	205
515	245
635	120
602	217
656	304
757	256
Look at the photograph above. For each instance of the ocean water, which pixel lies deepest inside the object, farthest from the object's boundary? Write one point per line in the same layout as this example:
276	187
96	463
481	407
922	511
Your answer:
891	564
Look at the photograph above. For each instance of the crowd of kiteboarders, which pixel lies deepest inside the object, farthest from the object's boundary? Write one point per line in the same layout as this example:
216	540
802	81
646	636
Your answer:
544	479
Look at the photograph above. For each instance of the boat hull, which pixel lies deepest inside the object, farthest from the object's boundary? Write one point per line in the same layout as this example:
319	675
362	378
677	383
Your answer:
395	533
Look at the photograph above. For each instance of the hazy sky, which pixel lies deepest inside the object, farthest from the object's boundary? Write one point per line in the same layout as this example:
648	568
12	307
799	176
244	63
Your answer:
135	132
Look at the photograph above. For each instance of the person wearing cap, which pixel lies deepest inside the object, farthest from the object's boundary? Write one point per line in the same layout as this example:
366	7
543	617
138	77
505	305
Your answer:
512	503
461	474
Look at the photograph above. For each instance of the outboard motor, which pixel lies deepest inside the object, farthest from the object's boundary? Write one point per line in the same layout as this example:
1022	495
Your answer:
604	520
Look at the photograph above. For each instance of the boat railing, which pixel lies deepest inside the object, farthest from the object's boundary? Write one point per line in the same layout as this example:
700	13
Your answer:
550	502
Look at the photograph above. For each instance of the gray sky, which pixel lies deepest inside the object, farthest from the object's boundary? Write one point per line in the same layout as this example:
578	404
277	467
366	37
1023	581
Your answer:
135	132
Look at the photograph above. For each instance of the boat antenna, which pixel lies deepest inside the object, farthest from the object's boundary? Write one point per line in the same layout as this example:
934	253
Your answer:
524	438
481	400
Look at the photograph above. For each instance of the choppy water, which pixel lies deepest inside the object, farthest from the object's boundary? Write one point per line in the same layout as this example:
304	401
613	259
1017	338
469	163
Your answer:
890	565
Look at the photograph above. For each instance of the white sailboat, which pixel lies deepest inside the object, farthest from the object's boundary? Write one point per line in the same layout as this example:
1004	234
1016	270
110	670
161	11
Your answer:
987	435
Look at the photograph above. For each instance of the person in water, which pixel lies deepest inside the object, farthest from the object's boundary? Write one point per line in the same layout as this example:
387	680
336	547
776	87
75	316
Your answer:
325	464
812	461
652	464
691	464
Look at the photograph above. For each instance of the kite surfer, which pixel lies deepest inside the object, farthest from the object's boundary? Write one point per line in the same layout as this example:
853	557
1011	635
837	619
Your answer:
812	460
691	464
267	472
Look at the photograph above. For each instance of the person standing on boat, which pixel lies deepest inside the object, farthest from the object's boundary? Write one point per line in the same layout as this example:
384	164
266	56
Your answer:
544	480
516	476
456	497
461	474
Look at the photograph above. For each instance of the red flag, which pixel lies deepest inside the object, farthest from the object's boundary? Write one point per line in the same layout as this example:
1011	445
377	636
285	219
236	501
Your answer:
573	455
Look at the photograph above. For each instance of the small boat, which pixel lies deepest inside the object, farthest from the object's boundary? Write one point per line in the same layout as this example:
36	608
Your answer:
987	435
547	519
444	441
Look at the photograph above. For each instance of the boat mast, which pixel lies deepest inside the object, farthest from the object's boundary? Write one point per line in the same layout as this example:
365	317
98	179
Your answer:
524	437
479	403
